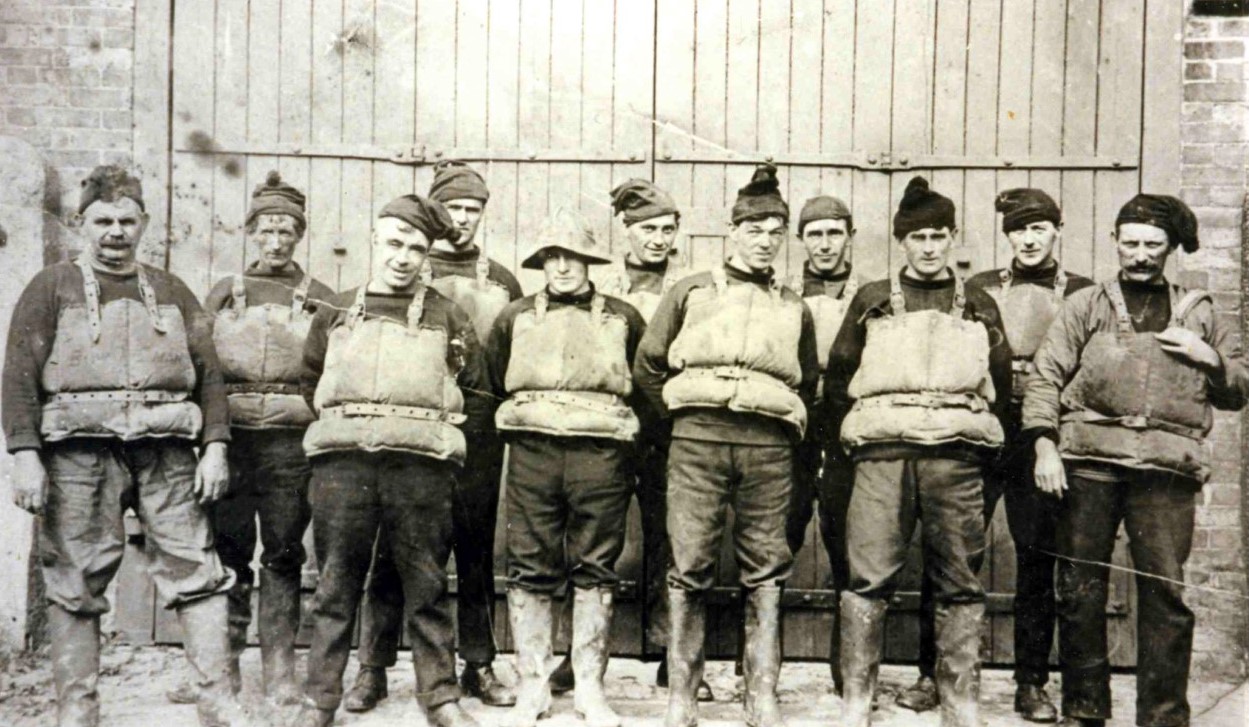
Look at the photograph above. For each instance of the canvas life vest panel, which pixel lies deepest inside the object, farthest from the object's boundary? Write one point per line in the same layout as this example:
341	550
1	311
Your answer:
568	373
646	302
119	370
261	352
480	297
923	378
738	350
387	386
829	310
1027	312
1132	404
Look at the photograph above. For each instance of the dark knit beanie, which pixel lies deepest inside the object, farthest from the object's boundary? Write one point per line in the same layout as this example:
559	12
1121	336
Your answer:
276	197
457	180
1165	212
761	197
824	207
922	208
638	199
109	183
426	215
1022	206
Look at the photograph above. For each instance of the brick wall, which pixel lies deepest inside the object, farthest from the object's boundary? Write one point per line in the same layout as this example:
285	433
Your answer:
1214	183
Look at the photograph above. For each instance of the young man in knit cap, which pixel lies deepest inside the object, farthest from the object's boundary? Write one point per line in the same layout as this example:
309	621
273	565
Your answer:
730	357
110	384
822	472
1119	409
560	361
393	370
482	287
922	371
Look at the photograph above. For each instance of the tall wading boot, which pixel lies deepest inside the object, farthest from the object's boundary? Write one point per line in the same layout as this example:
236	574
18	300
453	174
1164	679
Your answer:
75	666
761	665
562	679
207	645
239	605
959	626
530	615
279	621
688	615
862	641
591	630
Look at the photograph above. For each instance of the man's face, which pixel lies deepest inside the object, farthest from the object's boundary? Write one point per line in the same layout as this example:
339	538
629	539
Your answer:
828	243
466	214
112	230
651	240
757	242
565	273
927	251
1143	251
275	237
1033	244
399	251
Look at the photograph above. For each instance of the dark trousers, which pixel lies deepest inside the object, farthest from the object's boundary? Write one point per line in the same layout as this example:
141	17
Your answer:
474	515
567	498
408	496
822	481
268	481
650	477
704	480
1158	515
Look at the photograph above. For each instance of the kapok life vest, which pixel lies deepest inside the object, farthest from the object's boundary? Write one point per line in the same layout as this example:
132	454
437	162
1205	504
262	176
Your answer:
646	302
261	351
568	373
738	350
1027	312
480	297
387	386
923	379
119	370
1132	404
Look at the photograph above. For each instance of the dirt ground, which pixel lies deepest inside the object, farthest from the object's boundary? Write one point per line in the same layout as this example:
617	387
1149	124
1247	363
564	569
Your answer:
135	679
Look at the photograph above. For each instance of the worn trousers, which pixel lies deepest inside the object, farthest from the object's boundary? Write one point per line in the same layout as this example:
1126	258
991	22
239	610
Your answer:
650	478
704	480
824	480
1157	513
408	497
474	515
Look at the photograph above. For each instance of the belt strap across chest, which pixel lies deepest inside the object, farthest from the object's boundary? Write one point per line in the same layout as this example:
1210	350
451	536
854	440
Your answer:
91	296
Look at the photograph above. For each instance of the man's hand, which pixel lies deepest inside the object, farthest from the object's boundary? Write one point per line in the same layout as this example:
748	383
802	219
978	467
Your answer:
1185	344
30	481
212	476
1048	472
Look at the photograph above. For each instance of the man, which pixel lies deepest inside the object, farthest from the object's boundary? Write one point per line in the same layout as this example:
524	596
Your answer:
1125	381
821	470
482	287
918	363
730	357
561	361
110	384
392	364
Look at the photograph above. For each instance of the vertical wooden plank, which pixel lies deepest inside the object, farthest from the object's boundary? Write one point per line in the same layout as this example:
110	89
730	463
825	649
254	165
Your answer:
1164	53
358	202
678	110
634	48
471	56
873	114
295	99
1050	38
503	50
914	31
1014	112
193	121
774	124
837	97
436	100
153	41
949	106
1079	135
566	76
984	51
599	67
533	178
263	119
704	186
394	102
234	113
324	188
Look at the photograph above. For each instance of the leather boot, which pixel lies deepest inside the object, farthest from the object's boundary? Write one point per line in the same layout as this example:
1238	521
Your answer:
479	680
834	646
279	621
704	693
688	614
562	679
450	714
206	641
959	626
761	664
531	615
862	642
75	641
591	631
311	716
1034	705
368	689
921	696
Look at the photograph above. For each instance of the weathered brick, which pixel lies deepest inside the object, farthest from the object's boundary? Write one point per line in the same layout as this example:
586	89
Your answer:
1218	517
1226	539
104	98
25	56
116	77
1196	112
89	77
1218	217
89	37
69	118
119	38
1214	49
120	157
1213	130
1216	91
96	139
1233	28
104	17
1208	174
1229	71
1198	71
116	119
72	158
22	76
17	116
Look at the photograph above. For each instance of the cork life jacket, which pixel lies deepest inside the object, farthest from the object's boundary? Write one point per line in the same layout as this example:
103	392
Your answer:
829	310
568	373
261	352
387	386
480	297
738	350
618	285
1027	312
1132	404
923	379
120	370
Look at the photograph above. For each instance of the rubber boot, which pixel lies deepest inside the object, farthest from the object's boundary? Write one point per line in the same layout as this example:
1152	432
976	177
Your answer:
75	641
279	621
187	692
206	642
531	615
562	679
761	662
450	714
959	626
834	646
862	641
591	631
688	615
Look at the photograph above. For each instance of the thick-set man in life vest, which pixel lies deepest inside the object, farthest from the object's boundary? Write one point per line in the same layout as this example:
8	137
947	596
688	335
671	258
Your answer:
482	287
393	370
1126	380
922	364
822	471
730	357
110	384
560	359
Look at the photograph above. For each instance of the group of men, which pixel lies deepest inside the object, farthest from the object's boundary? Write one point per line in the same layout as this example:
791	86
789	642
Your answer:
380	416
